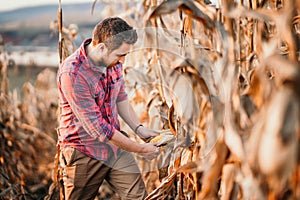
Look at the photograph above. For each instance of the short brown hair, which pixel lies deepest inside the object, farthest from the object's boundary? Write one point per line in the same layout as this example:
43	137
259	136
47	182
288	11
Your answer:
113	31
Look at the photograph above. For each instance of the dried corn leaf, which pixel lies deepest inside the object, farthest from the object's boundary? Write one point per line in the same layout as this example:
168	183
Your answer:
279	139
228	182
179	94
163	189
212	170
186	6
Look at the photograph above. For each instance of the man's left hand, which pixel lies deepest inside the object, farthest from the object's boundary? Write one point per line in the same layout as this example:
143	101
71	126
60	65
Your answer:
146	134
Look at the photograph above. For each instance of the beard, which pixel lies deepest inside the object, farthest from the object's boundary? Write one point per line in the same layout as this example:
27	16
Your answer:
112	64
108	65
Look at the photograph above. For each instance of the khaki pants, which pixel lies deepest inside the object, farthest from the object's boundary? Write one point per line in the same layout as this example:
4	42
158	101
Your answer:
82	176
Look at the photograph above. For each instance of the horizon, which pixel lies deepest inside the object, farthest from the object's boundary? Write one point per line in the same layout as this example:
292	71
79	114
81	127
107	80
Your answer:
16	4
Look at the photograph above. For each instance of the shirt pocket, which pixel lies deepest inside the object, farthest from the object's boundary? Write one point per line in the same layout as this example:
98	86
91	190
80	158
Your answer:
115	88
67	156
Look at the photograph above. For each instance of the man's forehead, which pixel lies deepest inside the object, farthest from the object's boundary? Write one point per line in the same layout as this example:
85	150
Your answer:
123	49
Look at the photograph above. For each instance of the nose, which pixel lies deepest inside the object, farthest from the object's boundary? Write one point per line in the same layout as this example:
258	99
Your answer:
122	60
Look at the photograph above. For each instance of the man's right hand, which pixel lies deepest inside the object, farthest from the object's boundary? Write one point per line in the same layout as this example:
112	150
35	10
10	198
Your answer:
147	150
150	151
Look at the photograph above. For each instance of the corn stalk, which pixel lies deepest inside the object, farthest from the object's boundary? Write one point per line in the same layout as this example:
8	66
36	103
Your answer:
240	61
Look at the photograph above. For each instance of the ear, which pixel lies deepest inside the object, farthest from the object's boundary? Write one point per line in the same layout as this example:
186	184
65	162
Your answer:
101	47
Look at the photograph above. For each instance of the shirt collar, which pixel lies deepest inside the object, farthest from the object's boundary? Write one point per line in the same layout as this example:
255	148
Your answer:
84	58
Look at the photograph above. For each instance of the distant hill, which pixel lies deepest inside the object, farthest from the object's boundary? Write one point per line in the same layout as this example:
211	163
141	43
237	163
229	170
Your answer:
28	38
40	16
30	26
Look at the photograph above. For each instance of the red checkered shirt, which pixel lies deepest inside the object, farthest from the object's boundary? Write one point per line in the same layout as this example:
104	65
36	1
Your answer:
87	99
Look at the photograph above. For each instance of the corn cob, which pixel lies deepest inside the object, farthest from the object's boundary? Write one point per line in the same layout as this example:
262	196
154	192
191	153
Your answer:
164	137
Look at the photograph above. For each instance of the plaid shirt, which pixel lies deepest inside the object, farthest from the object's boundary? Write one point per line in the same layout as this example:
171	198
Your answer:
87	98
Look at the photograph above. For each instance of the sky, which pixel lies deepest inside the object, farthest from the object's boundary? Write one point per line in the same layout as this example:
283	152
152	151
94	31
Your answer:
14	4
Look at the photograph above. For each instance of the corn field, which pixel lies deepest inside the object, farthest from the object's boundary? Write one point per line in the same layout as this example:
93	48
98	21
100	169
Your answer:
221	84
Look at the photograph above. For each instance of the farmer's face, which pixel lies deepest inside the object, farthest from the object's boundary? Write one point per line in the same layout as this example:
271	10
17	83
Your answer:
116	56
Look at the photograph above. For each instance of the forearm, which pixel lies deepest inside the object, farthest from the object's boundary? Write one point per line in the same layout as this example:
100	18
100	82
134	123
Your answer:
123	142
128	114
130	117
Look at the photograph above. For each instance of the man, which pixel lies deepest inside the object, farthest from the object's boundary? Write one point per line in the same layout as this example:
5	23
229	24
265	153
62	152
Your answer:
91	96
